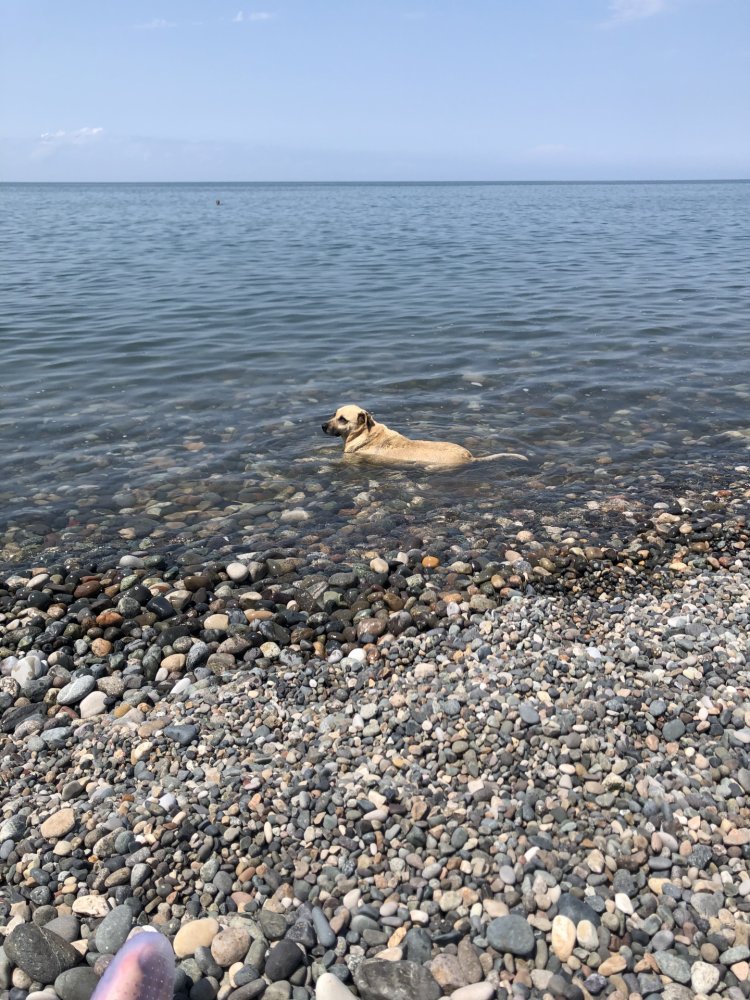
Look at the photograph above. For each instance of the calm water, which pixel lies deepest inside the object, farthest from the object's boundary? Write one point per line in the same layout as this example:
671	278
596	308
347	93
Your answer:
163	355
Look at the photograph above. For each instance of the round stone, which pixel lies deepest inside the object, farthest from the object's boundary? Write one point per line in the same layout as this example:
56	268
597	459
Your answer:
195	934
218	622
672	965
237	572
511	934
174	662
76	691
112	932
673	730
330	987
76	984
529	714
476	991
58	824
612	965
93	704
39	953
283	960
447	972
379	980
230	946
587	935
704	977
563	937
622	902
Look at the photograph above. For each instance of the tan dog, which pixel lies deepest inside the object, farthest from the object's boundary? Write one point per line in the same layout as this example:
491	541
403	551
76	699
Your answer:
373	442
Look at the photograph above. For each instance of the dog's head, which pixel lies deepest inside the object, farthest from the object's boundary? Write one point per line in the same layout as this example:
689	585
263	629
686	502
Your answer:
348	420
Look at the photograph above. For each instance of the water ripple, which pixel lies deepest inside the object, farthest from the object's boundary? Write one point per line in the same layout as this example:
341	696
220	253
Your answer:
569	321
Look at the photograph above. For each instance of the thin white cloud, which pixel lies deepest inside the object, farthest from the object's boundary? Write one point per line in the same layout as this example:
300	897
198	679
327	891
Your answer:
50	144
76	137
156	24
626	11
254	15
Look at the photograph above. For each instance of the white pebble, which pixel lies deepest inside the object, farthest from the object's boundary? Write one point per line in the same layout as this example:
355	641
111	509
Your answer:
237	572
622	902
330	987
295	514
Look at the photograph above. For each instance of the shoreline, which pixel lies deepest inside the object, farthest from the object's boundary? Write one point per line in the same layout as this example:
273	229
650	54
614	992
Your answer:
523	777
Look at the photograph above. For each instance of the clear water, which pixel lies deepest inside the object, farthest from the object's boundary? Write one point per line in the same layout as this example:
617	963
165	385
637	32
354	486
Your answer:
156	344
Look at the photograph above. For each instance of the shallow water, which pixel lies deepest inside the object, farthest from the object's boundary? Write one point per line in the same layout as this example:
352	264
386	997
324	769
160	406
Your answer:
167	362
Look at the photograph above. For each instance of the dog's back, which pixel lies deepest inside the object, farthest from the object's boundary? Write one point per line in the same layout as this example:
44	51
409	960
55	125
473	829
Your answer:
369	441
385	445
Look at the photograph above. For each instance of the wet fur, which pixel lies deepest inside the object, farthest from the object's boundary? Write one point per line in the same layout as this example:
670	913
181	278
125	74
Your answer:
368	440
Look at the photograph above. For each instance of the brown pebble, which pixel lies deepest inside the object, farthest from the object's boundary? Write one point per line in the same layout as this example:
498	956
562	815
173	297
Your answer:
260	614
612	965
108	619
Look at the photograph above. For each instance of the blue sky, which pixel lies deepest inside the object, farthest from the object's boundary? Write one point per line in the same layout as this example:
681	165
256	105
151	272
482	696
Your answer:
374	89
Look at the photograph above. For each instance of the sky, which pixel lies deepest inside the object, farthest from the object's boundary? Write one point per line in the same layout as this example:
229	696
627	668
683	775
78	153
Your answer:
336	90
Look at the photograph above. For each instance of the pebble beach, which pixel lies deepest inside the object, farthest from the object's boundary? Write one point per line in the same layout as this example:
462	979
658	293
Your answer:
514	770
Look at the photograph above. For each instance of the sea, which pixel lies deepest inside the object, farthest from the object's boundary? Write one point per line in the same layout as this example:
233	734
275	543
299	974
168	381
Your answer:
168	353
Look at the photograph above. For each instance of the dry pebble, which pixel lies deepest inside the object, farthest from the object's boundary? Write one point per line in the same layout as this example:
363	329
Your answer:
404	773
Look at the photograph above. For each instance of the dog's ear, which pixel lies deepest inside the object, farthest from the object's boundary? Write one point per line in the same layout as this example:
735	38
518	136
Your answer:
368	419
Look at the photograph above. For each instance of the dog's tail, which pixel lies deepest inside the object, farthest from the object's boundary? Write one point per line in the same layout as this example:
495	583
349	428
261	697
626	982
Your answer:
501	454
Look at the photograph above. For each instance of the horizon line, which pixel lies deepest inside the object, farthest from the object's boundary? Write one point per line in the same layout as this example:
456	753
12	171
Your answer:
600	180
